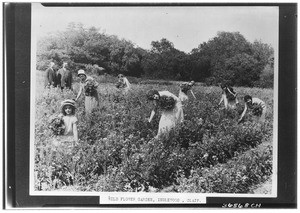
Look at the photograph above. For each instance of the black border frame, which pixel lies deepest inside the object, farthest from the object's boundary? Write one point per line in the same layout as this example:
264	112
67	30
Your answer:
17	43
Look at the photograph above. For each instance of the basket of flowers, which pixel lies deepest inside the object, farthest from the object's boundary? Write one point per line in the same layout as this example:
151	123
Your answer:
119	85
185	87
167	102
57	126
256	109
90	88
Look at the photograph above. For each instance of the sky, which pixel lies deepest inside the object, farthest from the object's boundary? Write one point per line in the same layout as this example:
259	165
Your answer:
185	27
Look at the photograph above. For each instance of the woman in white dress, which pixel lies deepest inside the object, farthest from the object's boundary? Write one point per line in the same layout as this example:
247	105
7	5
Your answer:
88	86
172	112
184	88
123	84
256	106
229	96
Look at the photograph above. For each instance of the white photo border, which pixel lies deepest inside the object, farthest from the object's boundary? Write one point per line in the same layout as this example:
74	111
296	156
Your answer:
32	192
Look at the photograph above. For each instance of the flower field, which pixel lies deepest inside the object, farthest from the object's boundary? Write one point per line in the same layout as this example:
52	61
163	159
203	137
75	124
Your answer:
208	153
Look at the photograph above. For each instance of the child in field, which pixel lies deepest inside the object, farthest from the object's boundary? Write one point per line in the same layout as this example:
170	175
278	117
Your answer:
88	86
123	83
257	107
65	125
229	97
172	112
184	88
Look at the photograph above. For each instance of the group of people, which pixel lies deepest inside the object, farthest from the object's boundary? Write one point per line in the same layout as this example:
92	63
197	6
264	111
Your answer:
255	105
172	111
170	105
66	120
61	78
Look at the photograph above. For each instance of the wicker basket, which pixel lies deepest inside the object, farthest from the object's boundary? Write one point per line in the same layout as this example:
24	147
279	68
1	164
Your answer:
167	103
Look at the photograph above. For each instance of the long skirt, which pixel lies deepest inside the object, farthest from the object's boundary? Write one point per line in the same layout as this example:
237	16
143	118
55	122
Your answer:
169	119
91	102
182	96
231	104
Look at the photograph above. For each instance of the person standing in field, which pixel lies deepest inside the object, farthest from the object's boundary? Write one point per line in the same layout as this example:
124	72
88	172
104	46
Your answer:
88	86
50	76
58	78
172	112
64	126
229	97
184	88
256	106
65	77
123	83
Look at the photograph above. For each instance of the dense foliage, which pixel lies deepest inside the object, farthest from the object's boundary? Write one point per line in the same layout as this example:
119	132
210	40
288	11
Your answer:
237	176
117	152
228	57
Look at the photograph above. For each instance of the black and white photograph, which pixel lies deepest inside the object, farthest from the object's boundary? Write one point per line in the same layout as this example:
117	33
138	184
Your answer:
152	104
164	100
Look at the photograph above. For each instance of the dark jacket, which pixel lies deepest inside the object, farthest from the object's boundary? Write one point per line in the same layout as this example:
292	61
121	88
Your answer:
65	78
50	77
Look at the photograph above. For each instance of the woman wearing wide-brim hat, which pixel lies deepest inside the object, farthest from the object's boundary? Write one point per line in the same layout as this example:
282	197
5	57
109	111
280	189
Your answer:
88	86
123	84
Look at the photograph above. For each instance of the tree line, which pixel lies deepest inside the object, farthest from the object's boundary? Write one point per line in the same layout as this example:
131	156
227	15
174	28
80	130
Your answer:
226	58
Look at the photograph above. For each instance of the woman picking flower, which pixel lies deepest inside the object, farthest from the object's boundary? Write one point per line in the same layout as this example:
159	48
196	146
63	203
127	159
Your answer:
123	83
88	86
257	107
172	113
229	97
184	88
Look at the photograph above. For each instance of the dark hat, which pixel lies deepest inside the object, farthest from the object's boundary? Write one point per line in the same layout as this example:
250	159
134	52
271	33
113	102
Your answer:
152	94
223	85
247	98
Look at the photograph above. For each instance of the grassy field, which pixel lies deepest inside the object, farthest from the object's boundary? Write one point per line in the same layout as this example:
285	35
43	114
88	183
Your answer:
117	151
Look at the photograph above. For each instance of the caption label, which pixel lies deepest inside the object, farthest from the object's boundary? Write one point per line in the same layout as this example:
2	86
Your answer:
151	199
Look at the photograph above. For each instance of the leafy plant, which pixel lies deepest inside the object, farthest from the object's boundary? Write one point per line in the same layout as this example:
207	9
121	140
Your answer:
117	152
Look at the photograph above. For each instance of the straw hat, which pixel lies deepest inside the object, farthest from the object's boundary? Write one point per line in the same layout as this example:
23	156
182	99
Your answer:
68	102
81	72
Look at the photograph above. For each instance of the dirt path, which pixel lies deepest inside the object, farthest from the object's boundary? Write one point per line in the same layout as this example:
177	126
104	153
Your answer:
263	188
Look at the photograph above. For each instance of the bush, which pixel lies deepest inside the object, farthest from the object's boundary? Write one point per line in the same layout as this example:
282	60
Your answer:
94	69
210	81
236	176
266	79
